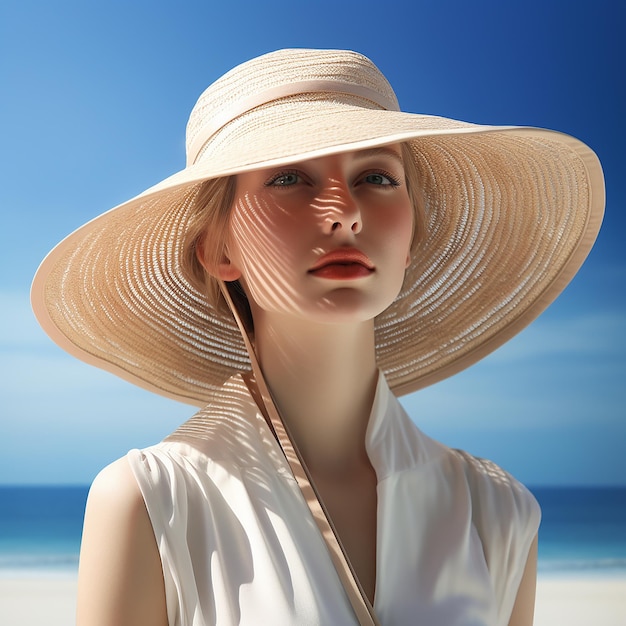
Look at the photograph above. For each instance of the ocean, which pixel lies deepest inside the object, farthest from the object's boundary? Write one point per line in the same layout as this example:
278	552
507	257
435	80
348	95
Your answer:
583	530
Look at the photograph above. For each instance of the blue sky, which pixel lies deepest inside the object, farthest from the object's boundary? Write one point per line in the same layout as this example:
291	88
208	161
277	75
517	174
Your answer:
95	97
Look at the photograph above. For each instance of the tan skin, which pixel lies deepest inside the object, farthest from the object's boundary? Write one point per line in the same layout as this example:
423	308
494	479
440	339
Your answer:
299	319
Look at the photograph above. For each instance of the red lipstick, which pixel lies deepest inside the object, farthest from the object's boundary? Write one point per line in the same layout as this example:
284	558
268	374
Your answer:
343	264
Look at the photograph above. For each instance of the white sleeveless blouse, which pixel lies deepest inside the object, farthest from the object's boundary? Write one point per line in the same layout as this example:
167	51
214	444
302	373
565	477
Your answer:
239	546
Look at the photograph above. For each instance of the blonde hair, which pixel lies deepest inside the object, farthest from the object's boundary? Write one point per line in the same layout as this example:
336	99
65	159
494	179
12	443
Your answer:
415	190
210	212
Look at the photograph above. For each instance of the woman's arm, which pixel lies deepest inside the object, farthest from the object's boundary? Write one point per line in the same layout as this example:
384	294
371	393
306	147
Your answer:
120	580
524	608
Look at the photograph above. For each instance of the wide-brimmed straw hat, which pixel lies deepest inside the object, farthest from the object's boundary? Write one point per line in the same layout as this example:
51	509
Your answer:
511	214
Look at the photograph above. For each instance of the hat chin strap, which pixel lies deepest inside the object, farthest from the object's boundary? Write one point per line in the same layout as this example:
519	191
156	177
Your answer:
358	599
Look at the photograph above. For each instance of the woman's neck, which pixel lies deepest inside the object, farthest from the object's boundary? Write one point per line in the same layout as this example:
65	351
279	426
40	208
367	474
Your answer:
323	379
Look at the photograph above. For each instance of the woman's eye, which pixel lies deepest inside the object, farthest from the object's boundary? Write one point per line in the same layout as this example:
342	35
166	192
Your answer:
286	179
376	178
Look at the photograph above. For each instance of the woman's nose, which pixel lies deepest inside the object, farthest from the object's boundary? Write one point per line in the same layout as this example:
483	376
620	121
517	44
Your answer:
342	212
345	222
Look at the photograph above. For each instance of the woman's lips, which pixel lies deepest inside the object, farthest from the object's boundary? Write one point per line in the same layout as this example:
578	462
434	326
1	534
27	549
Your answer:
343	264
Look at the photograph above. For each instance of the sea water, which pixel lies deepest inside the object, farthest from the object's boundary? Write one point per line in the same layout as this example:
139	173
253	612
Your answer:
40	529
583	530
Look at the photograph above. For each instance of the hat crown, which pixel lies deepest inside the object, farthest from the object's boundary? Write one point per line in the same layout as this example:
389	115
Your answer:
282	74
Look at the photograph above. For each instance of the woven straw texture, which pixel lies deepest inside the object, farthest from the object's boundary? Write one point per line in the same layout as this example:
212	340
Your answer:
511	215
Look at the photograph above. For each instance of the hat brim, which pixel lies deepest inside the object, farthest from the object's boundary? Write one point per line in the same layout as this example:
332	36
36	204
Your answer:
511	215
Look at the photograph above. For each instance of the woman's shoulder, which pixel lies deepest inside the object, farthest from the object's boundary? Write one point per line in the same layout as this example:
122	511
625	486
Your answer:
116	486
504	512
115	495
506	517
494	487
120	577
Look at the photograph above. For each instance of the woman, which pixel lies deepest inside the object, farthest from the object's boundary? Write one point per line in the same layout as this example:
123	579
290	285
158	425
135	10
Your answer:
321	253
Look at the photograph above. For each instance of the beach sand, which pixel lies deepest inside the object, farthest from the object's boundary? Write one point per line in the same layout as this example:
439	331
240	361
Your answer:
561	601
38	600
581	601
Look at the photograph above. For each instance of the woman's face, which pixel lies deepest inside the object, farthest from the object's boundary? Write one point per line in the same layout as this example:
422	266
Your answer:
326	239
